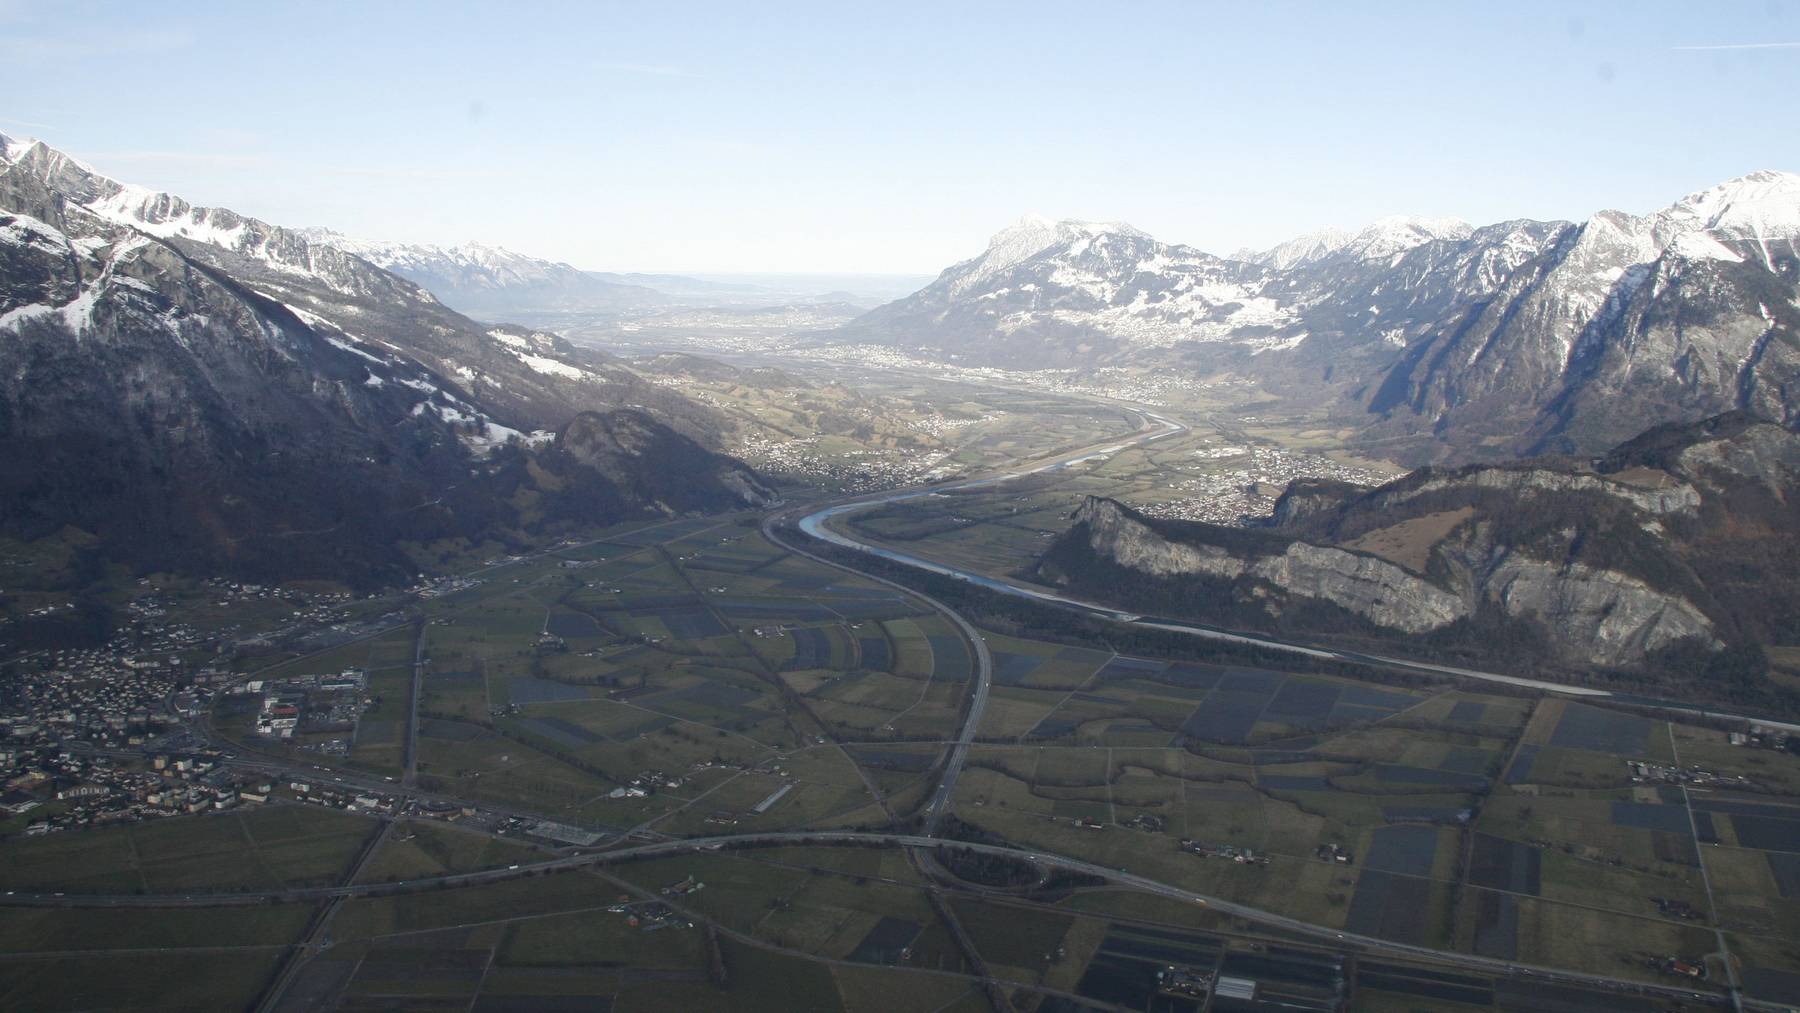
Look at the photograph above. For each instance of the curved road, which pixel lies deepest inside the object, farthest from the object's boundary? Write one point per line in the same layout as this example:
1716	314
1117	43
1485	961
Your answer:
813	521
816	524
981	680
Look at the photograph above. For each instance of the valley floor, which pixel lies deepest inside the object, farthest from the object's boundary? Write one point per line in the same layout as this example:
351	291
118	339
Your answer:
683	765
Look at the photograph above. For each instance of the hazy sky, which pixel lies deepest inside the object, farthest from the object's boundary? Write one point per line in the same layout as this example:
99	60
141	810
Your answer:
850	137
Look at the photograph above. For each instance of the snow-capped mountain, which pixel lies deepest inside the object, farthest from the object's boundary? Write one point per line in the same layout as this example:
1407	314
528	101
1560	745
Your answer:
491	282
1054	293
201	388
1585	334
1516	336
1298	250
1380	239
494	283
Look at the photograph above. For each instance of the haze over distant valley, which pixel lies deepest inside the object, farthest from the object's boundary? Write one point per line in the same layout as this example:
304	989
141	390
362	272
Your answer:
562	508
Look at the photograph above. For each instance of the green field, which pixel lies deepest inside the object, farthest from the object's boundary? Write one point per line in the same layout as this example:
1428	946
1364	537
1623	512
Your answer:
718	675
257	849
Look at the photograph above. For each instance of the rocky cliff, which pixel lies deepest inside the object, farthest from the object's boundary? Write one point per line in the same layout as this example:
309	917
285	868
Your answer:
1675	544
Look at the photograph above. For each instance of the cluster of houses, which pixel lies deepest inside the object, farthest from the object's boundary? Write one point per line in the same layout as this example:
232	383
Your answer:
359	800
646	783
1334	852
683	888
1246	480
1642	773
1231	852
649	915
1673	907
67	791
91	696
1195	983
1148	822
437	587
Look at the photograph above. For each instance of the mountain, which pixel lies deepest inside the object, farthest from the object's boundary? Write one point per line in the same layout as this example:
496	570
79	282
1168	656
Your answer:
207	392
1436	339
1569	337
494	283
1672	554
1052	294
1381	239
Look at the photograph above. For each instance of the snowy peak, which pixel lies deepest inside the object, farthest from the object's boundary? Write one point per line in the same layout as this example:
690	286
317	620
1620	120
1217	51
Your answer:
468	256
168	217
1761	209
1381	239
1054	291
1034	226
1513	310
1756	216
1030	236
1298	251
1766	199
490	281
339	241
1062	251
1396	234
13	148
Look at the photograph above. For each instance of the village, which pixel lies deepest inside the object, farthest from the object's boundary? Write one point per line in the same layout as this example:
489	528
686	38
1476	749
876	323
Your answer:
1245	481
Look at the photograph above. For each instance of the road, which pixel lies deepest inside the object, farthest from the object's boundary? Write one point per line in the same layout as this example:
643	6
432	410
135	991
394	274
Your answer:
1339	940
410	763
813	521
816	523
981	680
318	935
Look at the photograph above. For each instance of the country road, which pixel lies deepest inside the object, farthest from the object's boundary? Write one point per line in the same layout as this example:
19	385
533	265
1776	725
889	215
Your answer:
813	520
1341	940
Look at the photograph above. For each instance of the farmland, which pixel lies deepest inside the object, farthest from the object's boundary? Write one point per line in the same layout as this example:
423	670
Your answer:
523	727
696	679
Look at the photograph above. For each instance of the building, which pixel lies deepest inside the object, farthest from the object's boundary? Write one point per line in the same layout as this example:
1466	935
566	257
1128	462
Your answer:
768	803
1241	989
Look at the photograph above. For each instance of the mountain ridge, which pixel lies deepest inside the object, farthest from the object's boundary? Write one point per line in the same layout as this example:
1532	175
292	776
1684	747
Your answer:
1440	339
1669	554
207	391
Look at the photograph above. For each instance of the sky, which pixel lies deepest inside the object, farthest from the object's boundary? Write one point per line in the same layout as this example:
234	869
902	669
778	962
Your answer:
896	138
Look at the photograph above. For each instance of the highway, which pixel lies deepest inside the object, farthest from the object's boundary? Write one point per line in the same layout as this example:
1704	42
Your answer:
816	524
981	679
1340	940
813	520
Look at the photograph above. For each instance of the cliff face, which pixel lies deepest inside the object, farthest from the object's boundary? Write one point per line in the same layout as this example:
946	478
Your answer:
1378	591
1600	616
1117	533
1677	540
